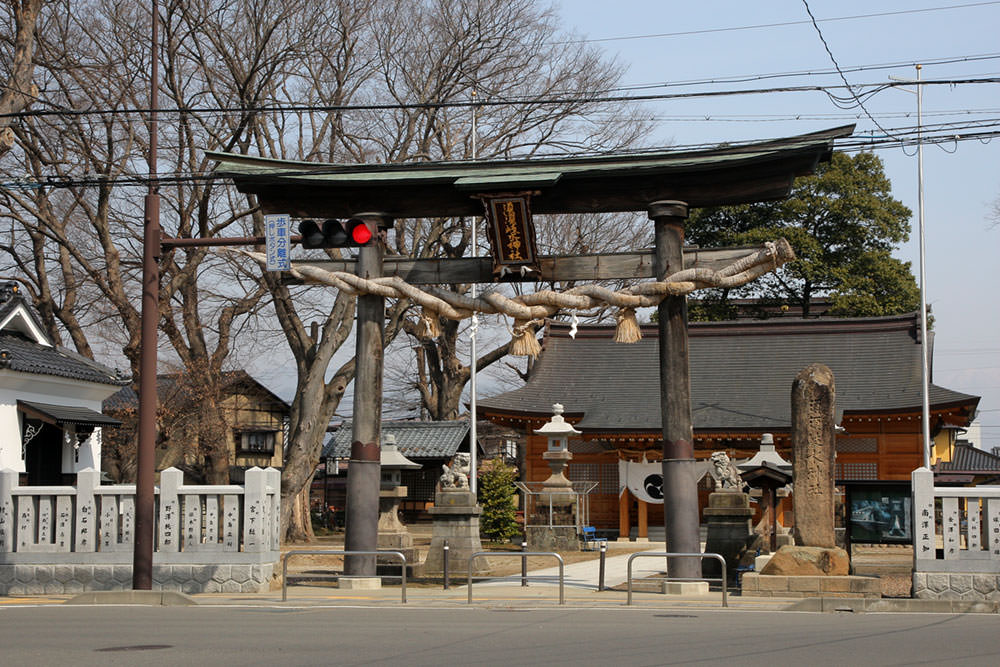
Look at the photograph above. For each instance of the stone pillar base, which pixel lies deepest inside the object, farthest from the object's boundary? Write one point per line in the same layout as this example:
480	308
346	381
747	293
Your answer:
360	584
730	530
456	521
685	588
556	538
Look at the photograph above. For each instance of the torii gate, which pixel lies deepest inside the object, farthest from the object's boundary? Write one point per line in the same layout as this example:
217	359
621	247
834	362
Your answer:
664	184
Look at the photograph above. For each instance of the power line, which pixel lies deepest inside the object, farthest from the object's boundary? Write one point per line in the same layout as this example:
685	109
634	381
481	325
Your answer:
706	31
855	144
843	77
743	78
869	90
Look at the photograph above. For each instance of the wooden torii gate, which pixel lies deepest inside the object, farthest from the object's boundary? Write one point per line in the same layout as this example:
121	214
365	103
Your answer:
664	184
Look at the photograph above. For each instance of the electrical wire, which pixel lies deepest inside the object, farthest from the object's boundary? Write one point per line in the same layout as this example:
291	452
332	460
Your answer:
868	90
706	31
850	145
843	77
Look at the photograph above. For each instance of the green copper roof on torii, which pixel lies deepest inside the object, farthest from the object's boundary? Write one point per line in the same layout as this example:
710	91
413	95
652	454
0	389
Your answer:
617	182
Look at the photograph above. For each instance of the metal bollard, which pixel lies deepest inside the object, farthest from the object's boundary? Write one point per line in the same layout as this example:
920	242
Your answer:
600	580
445	558
524	564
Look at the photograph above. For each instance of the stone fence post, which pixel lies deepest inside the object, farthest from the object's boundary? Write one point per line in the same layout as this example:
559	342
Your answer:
256	528
922	484
8	482
170	515
85	534
274	488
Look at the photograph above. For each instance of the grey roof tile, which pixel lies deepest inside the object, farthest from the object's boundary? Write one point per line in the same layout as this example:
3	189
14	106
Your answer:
966	458
415	440
28	356
741	373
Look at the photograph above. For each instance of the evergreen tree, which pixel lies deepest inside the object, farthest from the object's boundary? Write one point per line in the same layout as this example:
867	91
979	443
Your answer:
843	224
496	495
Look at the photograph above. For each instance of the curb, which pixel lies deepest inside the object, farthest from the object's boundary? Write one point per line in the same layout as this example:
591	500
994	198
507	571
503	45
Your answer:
889	605
147	598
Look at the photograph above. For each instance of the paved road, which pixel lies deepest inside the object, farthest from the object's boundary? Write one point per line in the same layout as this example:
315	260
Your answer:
110	635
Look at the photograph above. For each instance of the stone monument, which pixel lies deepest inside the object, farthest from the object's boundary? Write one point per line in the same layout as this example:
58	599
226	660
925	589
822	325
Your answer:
456	522
815	553
813	447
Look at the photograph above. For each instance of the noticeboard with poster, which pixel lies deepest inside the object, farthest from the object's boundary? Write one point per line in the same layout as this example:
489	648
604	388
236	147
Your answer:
879	512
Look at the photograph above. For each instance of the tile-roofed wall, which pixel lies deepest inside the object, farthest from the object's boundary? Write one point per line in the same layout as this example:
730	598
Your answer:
415	440
27	356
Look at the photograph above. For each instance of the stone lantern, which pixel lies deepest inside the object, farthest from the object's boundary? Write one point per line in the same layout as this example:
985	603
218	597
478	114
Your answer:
770	473
557	454
392	534
551	525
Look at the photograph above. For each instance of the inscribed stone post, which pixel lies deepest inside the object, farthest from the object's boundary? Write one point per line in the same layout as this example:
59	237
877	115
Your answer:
813	398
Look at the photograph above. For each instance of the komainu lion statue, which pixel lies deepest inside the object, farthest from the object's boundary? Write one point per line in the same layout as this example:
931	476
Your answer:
724	473
456	476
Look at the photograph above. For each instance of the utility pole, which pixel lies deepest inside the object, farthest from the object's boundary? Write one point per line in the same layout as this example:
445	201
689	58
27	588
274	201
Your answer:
142	552
473	330
925	418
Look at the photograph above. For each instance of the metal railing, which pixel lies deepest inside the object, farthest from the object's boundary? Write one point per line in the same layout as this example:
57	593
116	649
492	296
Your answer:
325	552
519	554
722	561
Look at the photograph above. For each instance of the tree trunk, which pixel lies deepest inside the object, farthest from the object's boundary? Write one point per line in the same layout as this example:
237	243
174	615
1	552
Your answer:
299	519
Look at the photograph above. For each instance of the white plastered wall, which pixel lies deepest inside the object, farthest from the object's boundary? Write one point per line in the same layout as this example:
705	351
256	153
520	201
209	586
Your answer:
16	386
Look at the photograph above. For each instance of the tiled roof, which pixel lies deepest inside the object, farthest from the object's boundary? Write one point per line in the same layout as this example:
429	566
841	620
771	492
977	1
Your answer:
415	440
741	373
167	387
27	356
966	458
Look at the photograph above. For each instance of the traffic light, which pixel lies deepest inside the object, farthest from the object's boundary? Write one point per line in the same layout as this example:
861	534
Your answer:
352	233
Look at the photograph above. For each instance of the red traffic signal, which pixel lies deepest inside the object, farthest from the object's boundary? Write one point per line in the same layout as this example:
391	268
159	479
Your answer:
352	233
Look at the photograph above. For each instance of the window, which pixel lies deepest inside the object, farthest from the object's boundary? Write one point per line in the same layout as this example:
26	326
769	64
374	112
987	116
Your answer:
255	442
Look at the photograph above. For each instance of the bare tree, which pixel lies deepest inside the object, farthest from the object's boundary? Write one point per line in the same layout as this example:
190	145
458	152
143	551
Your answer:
76	245
232	69
18	38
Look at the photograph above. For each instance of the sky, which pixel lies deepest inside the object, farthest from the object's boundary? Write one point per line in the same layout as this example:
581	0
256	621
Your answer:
961	178
697	44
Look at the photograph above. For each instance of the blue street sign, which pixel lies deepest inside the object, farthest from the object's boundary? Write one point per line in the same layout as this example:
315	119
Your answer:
276	238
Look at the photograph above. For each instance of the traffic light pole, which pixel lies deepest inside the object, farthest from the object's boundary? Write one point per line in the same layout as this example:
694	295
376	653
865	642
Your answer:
680	489
363	480
142	546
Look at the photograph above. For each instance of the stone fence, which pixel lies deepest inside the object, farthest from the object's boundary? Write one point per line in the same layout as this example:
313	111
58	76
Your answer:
956	540
67	539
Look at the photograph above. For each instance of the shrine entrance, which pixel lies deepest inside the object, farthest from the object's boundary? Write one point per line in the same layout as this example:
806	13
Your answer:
664	185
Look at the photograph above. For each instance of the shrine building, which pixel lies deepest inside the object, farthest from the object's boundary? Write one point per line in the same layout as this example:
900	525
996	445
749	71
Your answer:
741	380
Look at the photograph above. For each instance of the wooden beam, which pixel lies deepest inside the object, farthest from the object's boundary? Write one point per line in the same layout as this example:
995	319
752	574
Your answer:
557	268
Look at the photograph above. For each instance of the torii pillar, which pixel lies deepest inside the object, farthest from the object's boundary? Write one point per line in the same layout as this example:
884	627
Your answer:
680	489
364	471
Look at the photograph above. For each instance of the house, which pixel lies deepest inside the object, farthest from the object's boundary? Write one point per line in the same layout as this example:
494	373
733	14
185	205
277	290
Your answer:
741	378
431	444
254	431
968	465
50	399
